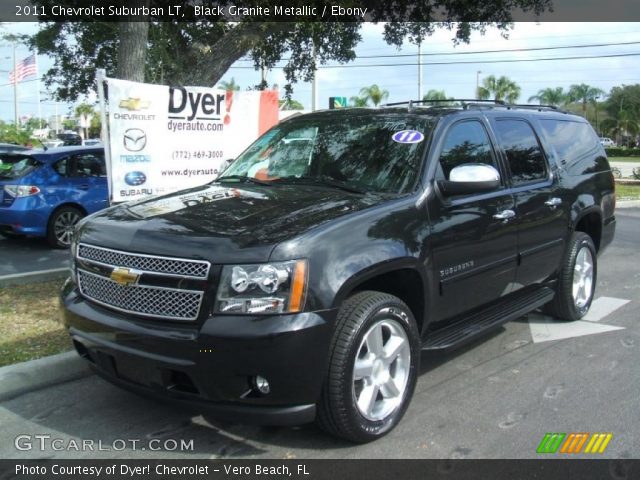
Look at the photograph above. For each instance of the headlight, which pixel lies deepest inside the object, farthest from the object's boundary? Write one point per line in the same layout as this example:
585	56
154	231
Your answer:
267	288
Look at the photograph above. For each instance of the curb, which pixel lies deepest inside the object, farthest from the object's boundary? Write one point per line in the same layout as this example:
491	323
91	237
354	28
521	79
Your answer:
627	204
32	277
25	377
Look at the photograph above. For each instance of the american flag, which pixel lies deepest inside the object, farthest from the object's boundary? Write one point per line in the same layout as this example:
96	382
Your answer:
25	68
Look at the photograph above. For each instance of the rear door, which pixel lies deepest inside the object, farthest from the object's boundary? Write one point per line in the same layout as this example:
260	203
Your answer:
473	250
88	180
541	215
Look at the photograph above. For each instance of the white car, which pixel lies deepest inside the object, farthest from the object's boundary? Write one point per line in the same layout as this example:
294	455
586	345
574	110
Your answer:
607	142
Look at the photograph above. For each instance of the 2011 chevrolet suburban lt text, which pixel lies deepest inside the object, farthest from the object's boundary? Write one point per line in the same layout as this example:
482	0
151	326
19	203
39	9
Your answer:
304	282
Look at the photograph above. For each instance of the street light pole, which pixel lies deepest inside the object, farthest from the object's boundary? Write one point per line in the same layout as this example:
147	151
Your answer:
478	84
596	102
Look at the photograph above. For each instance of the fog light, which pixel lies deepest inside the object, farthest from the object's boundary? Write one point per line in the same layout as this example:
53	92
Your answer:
261	384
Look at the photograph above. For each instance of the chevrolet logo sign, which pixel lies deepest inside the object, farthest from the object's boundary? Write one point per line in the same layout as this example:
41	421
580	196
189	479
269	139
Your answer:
134	103
124	276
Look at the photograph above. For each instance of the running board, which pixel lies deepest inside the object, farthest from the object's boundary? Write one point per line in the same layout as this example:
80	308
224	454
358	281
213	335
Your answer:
457	334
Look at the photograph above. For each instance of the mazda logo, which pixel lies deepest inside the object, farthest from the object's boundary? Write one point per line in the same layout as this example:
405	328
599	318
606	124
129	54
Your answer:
135	139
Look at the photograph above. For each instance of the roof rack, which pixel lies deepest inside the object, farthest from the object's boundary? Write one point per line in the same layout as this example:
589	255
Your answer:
467	103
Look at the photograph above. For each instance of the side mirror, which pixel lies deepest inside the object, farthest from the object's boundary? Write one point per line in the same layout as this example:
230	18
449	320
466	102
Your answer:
470	178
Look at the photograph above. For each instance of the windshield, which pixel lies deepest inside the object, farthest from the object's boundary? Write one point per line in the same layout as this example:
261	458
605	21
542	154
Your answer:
361	152
16	165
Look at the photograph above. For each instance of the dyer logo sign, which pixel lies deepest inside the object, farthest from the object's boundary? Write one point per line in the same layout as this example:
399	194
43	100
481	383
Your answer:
185	105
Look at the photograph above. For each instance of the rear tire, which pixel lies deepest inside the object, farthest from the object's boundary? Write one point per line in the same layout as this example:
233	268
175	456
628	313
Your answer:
577	280
373	367
61	225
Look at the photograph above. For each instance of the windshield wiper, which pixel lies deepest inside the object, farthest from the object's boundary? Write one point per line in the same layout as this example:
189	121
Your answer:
322	180
242	179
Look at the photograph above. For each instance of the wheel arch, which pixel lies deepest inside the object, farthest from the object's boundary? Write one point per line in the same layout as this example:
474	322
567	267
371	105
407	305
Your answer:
401	278
589	221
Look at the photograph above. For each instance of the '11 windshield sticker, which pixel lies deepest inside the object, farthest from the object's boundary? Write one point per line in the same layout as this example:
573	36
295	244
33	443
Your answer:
408	136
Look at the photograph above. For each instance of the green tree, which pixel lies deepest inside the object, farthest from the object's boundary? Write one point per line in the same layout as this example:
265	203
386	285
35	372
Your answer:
358	102
500	89
290	104
550	96
201	52
34	123
584	94
439	95
230	85
374	93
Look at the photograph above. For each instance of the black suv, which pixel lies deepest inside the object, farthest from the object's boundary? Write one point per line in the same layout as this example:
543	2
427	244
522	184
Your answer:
304	282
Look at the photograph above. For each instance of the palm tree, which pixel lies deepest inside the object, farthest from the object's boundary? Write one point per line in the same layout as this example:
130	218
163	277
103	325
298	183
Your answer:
584	94
374	93
438	95
501	89
85	110
358	102
290	104
230	85
550	96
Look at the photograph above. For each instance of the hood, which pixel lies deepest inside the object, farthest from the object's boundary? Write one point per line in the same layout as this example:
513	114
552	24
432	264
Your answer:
220	223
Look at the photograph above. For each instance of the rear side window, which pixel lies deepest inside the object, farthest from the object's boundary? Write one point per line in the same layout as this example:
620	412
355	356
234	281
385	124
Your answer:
524	155
466	142
577	147
90	165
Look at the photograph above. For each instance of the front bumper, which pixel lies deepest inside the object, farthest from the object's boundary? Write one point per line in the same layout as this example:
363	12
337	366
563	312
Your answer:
209	365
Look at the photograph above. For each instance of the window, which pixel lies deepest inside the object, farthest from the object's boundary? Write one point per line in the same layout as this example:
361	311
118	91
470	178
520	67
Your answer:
524	155
466	142
576	145
90	165
61	167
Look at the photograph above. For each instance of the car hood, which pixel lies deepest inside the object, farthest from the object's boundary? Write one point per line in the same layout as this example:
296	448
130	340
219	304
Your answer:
218	222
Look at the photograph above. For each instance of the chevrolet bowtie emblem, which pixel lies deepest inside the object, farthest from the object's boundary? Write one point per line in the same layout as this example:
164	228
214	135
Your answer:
124	276
134	103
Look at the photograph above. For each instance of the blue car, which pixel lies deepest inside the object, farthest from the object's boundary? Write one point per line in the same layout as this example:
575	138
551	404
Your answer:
44	193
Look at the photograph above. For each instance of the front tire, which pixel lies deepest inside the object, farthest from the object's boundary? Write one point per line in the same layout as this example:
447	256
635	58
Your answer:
577	280
373	367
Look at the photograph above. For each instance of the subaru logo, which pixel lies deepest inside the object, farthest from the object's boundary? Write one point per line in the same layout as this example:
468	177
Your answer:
135	178
135	139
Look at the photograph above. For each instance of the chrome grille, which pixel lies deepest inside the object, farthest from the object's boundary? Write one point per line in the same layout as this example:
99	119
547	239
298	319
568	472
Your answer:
141	299
147	263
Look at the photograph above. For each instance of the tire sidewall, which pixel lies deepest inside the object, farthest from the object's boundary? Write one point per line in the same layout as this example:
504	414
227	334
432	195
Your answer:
51	234
368	429
583	242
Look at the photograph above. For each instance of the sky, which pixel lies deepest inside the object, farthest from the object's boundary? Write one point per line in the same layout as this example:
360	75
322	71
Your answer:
401	82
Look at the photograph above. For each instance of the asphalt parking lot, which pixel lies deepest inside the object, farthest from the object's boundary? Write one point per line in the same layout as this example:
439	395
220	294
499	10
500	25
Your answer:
495	399
25	255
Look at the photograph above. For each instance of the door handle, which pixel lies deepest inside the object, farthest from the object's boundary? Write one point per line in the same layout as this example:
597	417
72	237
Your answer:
505	215
553	202
84	187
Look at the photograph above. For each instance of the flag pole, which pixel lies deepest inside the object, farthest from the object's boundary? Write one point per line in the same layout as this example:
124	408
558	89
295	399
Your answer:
35	56
15	86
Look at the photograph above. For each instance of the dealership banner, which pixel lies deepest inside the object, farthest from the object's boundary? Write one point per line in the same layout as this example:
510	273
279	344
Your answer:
162	139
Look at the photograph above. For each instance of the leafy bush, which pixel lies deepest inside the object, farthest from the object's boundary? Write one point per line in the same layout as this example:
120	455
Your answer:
622	152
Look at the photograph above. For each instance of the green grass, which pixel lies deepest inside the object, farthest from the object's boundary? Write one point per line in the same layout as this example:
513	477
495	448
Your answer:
627	192
29	322
624	159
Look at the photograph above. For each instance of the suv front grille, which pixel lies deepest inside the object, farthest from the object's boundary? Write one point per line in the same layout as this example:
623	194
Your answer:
137	297
148	263
144	300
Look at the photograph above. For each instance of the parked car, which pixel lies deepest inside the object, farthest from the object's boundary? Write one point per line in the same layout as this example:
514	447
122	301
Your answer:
307	289
70	138
10	147
607	142
45	192
92	142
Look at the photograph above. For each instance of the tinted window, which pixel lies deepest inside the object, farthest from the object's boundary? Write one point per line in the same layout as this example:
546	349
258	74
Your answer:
577	148
526	162
364	151
61	167
16	165
466	142
90	165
